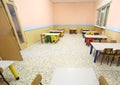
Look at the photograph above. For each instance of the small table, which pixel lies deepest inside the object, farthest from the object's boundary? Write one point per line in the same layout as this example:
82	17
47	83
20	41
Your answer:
74	76
101	46
58	31
85	29
73	31
84	32
90	38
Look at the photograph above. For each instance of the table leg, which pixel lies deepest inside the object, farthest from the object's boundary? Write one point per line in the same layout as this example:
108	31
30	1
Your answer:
4	78
95	56
91	48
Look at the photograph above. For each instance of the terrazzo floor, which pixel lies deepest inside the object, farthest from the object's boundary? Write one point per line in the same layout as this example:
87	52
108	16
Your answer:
69	52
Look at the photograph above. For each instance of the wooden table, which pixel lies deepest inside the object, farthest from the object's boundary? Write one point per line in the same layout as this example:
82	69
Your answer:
101	46
3	65
73	31
58	31
74	76
85	29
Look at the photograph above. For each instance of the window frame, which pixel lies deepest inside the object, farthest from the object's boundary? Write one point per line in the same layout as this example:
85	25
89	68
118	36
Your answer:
103	15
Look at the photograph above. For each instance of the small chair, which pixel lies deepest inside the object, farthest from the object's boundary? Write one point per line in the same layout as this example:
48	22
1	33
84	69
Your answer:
53	38
3	78
95	41
106	53
104	41
42	38
113	41
47	38
102	81
87	33
116	54
37	80
88	41
91	33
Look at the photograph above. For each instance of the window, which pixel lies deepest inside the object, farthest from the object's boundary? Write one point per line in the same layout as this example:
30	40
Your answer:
102	15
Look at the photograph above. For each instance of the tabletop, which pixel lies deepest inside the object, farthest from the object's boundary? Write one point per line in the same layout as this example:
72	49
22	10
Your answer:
5	64
95	36
74	76
90	31
51	34
56	31
101	46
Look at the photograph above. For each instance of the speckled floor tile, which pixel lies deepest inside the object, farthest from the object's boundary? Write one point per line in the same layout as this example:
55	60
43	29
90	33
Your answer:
70	51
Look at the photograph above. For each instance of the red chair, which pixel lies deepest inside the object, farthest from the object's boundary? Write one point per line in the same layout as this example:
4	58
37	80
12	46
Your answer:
89	40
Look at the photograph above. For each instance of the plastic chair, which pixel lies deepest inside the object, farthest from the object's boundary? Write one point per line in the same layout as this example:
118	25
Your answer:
88	41
53	38
37	80
92	33
102	81
47	38
116	54
106	53
87	33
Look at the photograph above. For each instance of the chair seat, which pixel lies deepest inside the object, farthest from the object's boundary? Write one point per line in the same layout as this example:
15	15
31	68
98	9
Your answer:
102	80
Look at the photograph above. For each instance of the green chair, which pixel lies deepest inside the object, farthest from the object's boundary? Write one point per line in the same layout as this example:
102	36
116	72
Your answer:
47	38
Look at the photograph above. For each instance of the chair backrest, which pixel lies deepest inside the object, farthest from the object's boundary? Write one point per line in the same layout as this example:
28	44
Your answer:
113	41
37	80
104	41
95	41
117	52
108	50
102	81
1	70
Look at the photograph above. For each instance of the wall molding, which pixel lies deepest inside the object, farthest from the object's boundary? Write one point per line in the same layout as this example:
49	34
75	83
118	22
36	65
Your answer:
73	24
48	25
116	29
36	27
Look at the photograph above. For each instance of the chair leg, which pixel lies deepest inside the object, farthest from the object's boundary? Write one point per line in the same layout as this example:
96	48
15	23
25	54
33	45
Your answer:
107	60
118	63
4	78
102	59
112	61
40	83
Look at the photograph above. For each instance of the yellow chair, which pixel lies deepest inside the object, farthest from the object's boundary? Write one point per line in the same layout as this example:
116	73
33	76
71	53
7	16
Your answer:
102	81
87	33
54	38
92	33
37	80
62	33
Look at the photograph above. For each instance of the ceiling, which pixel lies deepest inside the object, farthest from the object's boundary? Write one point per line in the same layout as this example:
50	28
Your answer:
73	0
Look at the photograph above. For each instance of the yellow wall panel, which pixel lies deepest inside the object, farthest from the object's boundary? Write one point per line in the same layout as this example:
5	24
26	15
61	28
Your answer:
33	36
